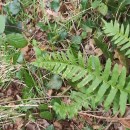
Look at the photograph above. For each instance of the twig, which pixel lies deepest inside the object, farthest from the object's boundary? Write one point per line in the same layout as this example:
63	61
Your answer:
112	119
111	122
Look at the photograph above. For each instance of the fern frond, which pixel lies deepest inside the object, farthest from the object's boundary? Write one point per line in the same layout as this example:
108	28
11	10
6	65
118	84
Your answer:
119	34
103	83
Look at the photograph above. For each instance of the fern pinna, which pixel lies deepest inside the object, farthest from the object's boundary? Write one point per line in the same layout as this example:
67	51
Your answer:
120	35
105	85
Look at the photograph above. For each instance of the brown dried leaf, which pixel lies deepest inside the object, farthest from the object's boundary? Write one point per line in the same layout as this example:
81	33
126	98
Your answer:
57	125
19	123
52	13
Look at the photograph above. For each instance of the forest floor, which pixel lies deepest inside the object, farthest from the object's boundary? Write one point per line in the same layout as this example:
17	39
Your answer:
34	27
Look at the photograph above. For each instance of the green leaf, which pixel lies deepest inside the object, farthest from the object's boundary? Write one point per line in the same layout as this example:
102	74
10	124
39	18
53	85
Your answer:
127	2
84	4
95	4
43	107
42	26
50	127
55	100
76	39
103	9
46	115
2	24
13	27
14	7
17	40
15	57
63	34
84	35
55	82
55	4
20	58
28	79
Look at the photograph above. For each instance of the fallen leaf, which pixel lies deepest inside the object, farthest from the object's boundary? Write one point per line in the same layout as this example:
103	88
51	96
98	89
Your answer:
50	12
57	125
19	123
98	52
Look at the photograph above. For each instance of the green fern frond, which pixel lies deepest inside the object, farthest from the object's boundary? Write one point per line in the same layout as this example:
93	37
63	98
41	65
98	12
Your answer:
78	100
119	34
103	83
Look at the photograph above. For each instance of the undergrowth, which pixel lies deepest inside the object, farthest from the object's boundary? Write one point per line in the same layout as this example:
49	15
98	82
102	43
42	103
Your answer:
61	59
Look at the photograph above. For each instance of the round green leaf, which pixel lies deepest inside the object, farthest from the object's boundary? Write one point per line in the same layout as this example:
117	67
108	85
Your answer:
55	82
14	7
17	40
76	39
103	9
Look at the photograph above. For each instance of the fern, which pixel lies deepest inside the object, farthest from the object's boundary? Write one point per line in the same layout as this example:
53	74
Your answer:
78	100
120	35
106	85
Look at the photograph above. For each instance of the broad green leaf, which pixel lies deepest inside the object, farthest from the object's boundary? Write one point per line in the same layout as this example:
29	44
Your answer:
46	115
95	4
76	40
103	9
17	40
14	7
2	23
55	82
55	4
